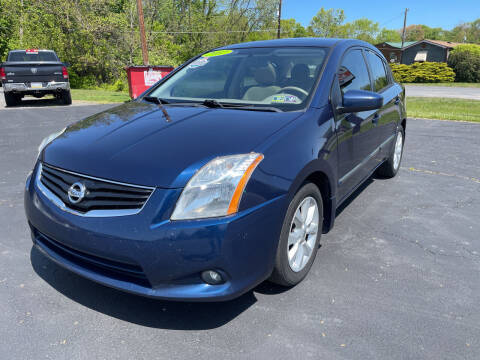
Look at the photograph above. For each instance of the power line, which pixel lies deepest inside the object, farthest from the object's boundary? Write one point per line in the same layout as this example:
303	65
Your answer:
389	21
211	32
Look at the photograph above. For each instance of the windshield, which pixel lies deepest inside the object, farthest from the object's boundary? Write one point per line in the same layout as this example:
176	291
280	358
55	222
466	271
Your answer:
275	77
32	56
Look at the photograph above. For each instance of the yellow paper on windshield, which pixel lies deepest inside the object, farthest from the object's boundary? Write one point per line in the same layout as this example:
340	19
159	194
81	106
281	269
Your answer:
217	53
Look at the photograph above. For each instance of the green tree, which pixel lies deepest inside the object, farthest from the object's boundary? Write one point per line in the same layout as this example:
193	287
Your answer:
293	29
466	32
6	32
414	33
388	35
362	29
328	23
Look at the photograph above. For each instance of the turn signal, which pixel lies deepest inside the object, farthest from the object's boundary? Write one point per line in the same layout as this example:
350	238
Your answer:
237	195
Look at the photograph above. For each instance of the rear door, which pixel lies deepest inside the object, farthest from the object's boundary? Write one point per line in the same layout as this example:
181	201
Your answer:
389	114
357	141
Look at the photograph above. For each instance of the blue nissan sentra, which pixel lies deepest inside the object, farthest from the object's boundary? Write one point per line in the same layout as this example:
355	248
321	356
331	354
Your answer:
223	174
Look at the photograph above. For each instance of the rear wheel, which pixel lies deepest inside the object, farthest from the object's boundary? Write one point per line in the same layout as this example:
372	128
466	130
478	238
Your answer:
65	97
300	237
391	166
11	99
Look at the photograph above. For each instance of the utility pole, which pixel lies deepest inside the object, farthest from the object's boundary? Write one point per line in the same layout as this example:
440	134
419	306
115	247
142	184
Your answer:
142	32
404	27
20	28
279	17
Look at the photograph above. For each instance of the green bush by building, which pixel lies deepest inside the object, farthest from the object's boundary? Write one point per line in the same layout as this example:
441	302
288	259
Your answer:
465	61
423	72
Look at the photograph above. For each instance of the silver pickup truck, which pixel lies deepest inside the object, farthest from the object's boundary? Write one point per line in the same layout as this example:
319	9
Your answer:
36	73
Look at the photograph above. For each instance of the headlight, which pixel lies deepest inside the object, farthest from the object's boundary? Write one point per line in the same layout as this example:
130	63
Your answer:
216	189
49	139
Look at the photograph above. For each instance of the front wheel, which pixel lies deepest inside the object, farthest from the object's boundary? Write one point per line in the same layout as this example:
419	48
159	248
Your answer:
300	237
391	166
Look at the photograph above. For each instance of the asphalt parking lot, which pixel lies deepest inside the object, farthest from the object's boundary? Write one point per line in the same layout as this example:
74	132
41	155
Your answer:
397	278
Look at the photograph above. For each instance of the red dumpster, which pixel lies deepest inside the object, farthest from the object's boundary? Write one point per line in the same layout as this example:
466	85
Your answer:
140	78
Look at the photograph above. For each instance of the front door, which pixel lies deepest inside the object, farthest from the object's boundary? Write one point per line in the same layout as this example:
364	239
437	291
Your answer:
389	114
357	140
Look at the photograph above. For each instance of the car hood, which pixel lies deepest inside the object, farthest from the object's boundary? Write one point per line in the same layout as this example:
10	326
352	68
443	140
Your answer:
142	143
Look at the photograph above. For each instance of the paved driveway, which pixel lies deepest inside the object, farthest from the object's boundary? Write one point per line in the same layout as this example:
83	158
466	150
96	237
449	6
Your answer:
443	92
396	279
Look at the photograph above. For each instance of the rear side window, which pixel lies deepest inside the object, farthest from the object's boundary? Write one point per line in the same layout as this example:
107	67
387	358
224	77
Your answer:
37	56
379	74
353	73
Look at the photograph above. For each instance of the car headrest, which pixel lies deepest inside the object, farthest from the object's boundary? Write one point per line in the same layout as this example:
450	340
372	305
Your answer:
265	75
300	73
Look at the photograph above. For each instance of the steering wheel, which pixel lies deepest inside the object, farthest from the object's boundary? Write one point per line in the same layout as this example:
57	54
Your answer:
299	91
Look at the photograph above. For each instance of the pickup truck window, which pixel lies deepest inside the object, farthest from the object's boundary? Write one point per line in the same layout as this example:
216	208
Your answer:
39	56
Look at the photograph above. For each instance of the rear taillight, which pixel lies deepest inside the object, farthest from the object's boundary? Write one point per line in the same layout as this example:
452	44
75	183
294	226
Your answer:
64	72
2	74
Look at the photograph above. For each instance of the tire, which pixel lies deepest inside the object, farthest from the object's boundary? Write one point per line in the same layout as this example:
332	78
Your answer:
288	270
11	99
391	166
66	98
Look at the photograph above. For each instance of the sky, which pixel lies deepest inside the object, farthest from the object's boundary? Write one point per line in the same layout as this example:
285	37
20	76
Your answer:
434	13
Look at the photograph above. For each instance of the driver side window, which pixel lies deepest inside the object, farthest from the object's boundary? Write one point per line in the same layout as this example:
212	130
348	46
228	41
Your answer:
353	73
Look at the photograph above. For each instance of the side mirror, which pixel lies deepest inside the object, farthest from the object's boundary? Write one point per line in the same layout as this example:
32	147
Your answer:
66	64
360	100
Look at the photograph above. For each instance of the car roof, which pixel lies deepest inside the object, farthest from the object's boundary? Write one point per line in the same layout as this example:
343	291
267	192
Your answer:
317	42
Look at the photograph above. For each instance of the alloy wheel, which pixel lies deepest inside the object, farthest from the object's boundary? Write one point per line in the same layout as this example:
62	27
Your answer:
303	234
397	155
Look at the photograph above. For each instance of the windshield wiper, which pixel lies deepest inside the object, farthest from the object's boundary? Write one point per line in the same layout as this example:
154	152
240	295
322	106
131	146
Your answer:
216	104
212	103
254	108
159	102
156	100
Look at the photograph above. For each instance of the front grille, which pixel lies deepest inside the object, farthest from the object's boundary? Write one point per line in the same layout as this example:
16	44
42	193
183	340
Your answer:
122	271
99	194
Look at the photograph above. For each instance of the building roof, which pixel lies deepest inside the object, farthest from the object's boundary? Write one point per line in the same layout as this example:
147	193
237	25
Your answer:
399	44
444	44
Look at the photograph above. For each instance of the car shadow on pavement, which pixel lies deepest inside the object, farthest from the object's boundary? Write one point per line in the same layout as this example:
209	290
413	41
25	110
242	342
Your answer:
32	102
137	309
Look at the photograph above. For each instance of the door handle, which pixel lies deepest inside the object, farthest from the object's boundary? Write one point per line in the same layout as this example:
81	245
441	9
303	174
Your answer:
397	101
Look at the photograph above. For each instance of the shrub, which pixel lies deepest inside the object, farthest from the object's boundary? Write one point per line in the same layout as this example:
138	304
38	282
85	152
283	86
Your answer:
465	60
119	85
82	81
425	72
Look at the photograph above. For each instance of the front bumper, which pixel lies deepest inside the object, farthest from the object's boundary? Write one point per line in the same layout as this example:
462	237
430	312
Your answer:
149	255
26	87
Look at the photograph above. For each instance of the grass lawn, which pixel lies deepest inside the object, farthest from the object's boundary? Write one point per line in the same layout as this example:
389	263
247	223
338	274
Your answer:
443	109
450	84
100	96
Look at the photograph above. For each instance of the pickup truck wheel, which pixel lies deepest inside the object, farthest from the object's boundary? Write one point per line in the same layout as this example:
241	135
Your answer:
391	166
66	98
299	238
11	99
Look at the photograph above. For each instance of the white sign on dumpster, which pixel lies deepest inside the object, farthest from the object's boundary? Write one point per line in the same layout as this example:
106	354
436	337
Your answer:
151	77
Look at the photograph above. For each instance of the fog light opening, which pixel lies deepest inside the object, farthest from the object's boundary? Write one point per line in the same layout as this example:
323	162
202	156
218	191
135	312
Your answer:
212	277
